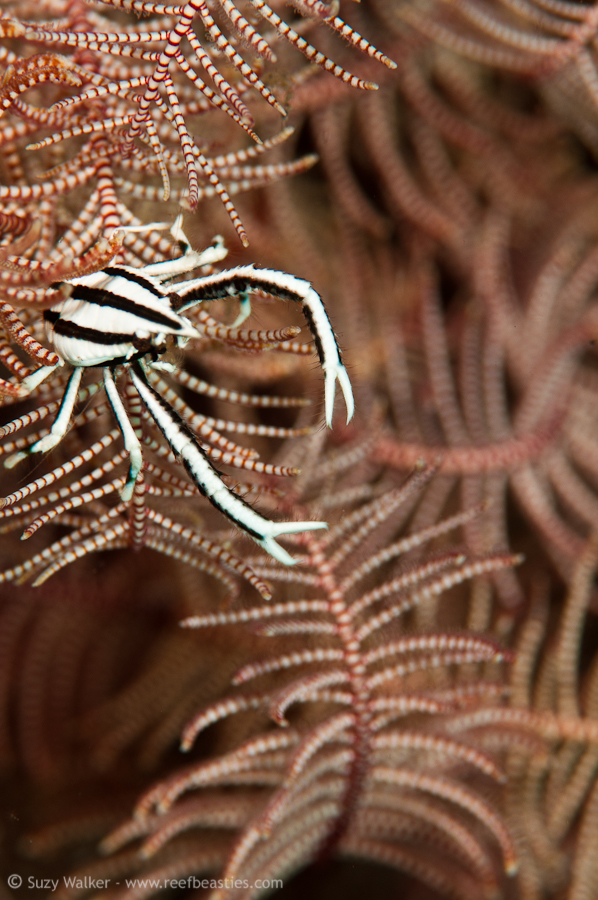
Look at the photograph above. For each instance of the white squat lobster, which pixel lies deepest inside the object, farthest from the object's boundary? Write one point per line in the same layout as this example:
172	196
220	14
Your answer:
122	316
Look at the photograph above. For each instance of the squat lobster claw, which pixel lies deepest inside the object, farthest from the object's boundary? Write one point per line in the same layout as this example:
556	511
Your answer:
122	316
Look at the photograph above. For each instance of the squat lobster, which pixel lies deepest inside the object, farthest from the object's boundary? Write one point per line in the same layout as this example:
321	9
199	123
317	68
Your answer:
126	317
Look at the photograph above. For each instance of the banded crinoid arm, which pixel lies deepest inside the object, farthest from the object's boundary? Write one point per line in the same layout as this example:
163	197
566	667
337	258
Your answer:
369	766
109	41
553	701
150	100
116	182
536	440
550	43
70	499
100	165
534	37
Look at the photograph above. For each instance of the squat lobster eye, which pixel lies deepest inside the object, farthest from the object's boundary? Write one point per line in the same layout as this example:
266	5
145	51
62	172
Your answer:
126	317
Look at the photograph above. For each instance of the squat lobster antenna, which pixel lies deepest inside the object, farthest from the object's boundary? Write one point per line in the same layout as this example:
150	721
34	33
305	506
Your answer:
175	228
191	259
138	229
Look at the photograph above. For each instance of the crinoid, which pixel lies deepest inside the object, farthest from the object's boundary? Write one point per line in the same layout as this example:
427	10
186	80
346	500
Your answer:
552	798
551	43
362	767
131	87
518	415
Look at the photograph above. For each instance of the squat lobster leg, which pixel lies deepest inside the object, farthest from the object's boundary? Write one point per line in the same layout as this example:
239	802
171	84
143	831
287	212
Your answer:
246	279
61	422
132	445
207	479
32	381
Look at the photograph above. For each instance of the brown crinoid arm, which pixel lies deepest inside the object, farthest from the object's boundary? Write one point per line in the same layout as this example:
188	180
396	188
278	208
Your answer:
126	89
360	700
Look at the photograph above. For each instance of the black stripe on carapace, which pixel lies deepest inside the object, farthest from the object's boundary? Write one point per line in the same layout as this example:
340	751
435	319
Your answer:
51	315
72	330
100	297
132	276
184	429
